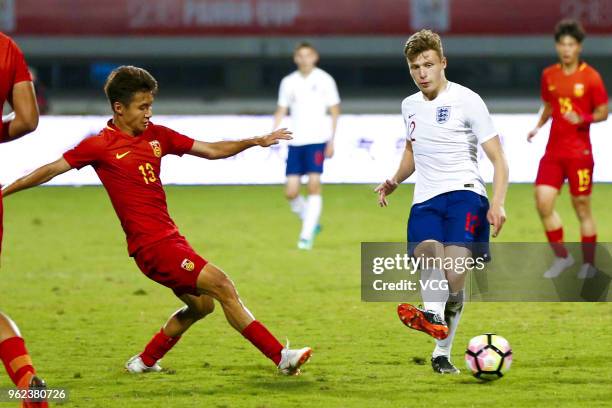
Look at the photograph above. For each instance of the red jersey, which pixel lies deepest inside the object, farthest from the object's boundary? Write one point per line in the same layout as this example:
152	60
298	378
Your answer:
129	168
581	91
13	68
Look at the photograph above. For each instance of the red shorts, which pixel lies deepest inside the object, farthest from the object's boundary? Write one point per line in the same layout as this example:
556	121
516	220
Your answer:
172	263
579	171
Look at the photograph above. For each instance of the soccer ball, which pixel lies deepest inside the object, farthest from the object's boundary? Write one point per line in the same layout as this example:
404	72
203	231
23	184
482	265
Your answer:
488	356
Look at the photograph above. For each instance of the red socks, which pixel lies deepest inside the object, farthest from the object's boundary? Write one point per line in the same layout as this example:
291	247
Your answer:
555	238
17	361
588	249
159	345
255	332
261	338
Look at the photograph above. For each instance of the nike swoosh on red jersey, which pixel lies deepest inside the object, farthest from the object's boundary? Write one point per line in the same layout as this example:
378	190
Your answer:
121	156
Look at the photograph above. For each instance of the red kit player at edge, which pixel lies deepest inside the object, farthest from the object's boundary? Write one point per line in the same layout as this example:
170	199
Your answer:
574	96
127	155
16	87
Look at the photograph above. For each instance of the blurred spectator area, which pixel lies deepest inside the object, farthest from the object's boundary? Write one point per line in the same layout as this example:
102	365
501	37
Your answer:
228	56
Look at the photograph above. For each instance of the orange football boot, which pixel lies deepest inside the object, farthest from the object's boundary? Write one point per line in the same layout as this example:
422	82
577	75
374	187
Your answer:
423	320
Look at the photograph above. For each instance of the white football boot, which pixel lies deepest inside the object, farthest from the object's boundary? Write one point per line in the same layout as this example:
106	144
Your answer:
305	244
292	360
587	271
558	266
135	365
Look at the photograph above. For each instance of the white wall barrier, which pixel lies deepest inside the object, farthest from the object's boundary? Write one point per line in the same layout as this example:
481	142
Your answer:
368	149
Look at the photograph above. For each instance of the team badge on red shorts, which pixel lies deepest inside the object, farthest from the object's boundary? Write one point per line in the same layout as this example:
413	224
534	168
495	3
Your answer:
187	265
156	148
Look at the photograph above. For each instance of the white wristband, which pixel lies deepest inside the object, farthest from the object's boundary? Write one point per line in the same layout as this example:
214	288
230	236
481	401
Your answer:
8	117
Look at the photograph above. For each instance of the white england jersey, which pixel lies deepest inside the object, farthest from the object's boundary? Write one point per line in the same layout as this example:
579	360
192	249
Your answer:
445	134
308	99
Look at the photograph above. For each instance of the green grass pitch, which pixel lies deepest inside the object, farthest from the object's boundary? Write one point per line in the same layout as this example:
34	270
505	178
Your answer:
85	308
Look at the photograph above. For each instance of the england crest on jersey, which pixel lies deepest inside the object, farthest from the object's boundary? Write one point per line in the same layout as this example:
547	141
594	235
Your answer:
443	114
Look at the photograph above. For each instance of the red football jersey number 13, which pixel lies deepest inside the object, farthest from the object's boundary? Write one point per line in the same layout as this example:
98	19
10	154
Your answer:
148	173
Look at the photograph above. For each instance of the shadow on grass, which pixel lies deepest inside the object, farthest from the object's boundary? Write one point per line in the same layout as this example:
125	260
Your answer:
476	381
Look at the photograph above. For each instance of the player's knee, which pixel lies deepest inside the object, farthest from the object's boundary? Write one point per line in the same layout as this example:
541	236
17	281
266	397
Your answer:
583	214
314	184
5	331
314	189
203	309
214	282
225	289
544	207
454	303
429	249
8	328
580	201
582	207
291	194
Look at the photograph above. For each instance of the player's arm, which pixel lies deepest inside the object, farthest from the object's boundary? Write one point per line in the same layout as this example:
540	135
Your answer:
599	114
544	114
221	150
279	114
25	120
405	170
282	105
38	176
497	214
334	112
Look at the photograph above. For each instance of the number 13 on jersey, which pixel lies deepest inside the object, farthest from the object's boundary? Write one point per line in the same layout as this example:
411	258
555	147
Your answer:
148	173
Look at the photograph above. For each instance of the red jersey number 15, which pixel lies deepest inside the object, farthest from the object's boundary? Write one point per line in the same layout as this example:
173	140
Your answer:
565	105
584	179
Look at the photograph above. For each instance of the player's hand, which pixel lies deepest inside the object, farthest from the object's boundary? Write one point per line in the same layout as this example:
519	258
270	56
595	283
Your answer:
274	137
532	133
573	118
383	190
496	217
329	150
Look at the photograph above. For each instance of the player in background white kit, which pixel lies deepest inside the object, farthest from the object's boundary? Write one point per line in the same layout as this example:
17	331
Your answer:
308	93
450	215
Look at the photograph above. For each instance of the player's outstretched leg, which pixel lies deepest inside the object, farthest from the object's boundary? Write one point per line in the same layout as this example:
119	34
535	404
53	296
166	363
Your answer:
434	291
17	361
430	318
214	282
196	308
545	202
